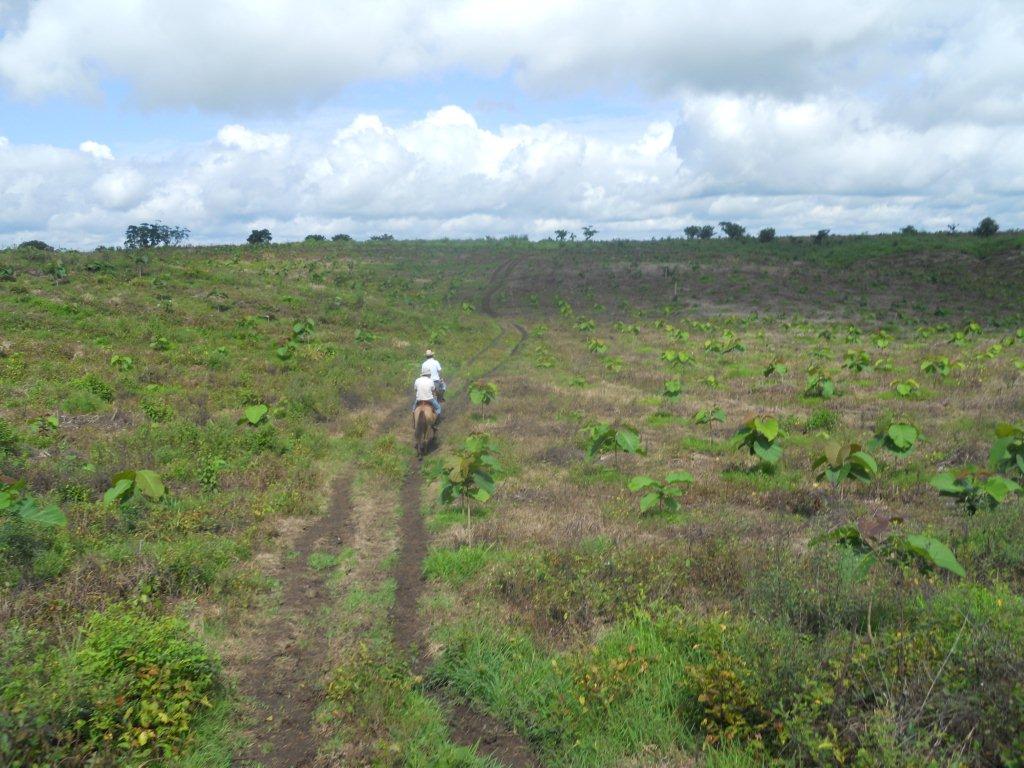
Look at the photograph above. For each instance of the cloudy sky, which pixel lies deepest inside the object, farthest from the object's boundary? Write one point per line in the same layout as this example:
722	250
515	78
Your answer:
460	118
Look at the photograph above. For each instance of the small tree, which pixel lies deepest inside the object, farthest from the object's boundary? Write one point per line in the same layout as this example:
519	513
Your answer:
469	475
259	237
706	232
732	230
36	245
561	235
341	238
910	229
588	233
692	232
821	237
986	227
152	235
766	235
315	238
665	494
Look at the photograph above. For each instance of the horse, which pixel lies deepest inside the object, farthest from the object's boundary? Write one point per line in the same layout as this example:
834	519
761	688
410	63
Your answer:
423	419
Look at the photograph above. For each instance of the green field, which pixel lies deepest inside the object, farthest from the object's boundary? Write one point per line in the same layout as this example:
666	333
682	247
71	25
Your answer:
217	547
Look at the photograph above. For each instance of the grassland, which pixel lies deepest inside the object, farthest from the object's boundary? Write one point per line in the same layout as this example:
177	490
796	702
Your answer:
260	610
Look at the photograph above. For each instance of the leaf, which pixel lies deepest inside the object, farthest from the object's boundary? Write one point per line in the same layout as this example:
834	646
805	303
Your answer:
770	454
148	483
946	482
640	482
649	500
627	440
117	491
49	515
999	487
254	414
935	552
866	460
767	426
903	436
678	476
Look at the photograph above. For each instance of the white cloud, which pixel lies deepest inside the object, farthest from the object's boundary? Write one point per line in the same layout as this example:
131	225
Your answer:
795	165
927	60
97	150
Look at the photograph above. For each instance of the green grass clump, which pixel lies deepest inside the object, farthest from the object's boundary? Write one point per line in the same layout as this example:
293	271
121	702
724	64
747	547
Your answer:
136	687
457	566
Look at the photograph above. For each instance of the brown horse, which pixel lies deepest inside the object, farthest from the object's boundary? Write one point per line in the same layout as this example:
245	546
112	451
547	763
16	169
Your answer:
423	419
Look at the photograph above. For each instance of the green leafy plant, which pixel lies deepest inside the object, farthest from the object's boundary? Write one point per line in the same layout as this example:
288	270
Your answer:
254	414
122	362
709	415
16	502
597	346
483	394
974	489
774	368
906	387
937	366
604	438
664	494
469	474
584	325
131	482
160	344
819	383
838	462
881	539
1007	453
672	388
856	360
302	330
728	342
897	437
676	358
760	437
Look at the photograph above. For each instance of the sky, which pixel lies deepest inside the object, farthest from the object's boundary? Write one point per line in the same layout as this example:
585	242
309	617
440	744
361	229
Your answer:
453	118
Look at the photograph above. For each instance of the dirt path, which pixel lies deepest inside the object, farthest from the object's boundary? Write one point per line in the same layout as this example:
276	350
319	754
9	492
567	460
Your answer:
467	726
279	659
282	656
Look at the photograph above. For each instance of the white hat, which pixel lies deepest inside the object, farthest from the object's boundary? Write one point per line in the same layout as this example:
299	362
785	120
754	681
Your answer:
429	353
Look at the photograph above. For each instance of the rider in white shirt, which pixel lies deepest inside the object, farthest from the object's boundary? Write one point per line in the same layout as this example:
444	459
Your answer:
426	392
431	366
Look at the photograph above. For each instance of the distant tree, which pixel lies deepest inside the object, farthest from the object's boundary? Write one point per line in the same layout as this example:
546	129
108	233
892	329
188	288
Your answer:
561	235
589	232
706	232
951	228
153	235
315	238
732	230
382	237
37	245
822	236
692	232
341	238
766	235
572	236
910	229
259	237
986	227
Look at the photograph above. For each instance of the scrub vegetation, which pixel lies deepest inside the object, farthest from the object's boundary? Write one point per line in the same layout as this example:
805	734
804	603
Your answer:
718	502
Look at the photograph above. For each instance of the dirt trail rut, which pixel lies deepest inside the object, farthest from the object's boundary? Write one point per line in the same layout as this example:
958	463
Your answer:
467	726
282	675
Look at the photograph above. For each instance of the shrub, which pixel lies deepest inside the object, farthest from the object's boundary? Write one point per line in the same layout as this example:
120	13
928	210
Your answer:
94	384
315	238
143	681
732	230
766	235
341	238
259	237
35	245
986	227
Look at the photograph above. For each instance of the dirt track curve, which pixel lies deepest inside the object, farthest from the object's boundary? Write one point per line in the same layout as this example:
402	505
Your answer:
283	676
468	726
